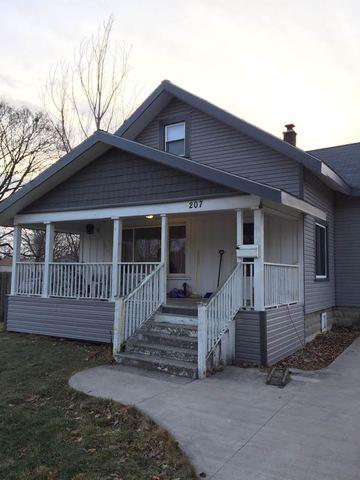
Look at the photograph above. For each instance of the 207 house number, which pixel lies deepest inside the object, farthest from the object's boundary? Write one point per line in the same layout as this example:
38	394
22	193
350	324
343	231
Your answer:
195	204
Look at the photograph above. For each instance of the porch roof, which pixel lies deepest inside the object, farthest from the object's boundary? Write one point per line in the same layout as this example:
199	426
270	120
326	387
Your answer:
100	142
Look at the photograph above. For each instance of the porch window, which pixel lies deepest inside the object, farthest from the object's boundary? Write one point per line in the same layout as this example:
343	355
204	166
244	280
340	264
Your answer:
321	252
147	244
144	245
177	239
175	138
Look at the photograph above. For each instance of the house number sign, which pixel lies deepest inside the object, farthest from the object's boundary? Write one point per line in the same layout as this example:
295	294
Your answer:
193	204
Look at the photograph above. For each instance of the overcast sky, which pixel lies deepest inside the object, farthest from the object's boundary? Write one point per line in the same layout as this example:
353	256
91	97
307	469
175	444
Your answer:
270	62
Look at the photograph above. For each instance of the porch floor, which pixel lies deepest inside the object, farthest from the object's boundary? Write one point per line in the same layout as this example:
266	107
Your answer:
185	302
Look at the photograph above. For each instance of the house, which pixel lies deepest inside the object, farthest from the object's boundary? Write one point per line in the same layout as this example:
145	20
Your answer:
263	234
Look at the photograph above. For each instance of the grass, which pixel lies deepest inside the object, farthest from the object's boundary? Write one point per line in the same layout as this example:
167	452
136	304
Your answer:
50	432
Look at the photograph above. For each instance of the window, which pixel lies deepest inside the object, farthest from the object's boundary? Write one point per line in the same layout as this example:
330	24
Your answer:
321	254
177	240
175	138
144	245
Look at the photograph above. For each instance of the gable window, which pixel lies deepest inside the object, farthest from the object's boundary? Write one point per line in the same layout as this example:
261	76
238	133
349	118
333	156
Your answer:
174	136
321	252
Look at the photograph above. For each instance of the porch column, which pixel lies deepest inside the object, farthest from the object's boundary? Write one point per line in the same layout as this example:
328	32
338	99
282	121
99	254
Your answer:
49	256
259	285
239	230
164	252
16	257
116	255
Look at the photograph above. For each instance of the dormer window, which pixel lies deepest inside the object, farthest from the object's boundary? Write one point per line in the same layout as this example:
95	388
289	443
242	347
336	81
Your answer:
174	136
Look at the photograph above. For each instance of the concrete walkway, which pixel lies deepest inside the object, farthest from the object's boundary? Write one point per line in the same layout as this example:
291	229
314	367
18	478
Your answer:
234	427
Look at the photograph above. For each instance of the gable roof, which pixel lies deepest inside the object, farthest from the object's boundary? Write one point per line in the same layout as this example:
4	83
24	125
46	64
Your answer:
101	141
166	91
345	159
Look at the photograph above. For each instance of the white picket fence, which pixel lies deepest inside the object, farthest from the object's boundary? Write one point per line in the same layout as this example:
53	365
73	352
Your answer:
281	284
138	306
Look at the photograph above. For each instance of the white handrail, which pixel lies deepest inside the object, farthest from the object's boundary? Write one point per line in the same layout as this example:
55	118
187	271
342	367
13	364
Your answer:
131	274
29	278
80	280
281	284
138	306
215	317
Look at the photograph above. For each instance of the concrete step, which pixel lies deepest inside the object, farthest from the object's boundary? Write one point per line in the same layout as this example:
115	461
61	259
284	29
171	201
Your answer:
171	366
171	329
166	339
177	310
178	319
162	351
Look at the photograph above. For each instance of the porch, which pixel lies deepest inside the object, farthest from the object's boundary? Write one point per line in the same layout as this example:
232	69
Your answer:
136	264
117	255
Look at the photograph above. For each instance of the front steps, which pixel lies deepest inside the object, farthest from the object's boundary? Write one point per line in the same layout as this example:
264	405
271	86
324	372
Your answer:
164	345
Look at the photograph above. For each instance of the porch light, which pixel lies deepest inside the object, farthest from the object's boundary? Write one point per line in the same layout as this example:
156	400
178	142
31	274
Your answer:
149	217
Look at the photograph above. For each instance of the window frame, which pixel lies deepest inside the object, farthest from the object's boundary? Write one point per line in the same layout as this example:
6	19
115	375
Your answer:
184	275
173	121
325	227
166	142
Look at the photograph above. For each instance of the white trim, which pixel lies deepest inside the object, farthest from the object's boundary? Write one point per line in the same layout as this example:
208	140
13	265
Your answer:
164	253
207	205
259	287
298	204
49	257
16	257
116	254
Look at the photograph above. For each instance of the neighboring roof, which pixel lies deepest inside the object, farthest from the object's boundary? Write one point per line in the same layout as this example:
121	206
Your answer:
344	159
101	141
164	93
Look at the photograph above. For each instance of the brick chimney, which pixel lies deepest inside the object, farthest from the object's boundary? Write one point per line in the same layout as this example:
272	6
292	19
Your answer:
290	134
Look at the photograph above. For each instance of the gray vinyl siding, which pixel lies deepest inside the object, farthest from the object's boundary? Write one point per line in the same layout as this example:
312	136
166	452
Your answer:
60	317
118	179
218	145
320	294
248	337
284	331
347	251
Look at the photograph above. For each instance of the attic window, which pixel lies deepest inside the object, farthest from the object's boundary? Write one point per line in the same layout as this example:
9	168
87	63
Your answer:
175	138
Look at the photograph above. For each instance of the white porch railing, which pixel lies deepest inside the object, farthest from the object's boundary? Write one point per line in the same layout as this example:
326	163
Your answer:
80	280
131	274
247	286
215	317
137	307
281	284
29	278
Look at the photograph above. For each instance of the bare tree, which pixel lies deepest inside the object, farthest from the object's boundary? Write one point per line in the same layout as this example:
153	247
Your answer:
90	93
66	245
26	147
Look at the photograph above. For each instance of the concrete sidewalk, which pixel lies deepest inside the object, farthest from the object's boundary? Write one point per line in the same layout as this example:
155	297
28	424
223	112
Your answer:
234	427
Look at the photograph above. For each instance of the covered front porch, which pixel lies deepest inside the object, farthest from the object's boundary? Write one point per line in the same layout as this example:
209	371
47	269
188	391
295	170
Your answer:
199	249
212	258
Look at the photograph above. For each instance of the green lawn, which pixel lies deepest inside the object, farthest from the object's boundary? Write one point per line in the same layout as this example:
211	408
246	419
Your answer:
48	431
